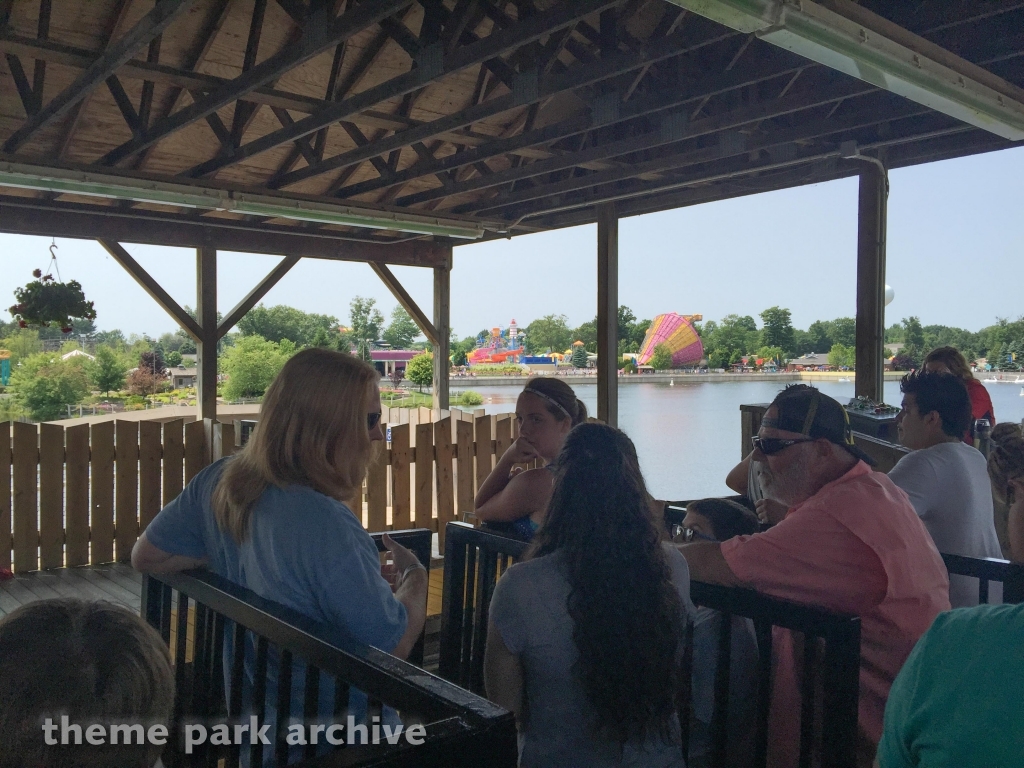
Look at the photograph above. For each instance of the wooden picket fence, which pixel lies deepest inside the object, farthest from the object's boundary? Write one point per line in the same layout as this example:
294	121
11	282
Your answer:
81	494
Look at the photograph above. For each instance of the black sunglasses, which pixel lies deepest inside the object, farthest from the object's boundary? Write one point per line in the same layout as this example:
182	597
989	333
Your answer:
372	420
772	445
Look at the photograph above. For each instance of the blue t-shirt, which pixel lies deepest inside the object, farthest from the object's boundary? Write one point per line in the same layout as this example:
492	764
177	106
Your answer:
957	701
304	550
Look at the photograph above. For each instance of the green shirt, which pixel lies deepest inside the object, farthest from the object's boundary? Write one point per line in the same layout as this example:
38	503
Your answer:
957	702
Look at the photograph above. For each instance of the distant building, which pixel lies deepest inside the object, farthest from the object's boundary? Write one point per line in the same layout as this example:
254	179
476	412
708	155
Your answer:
182	378
386	361
809	362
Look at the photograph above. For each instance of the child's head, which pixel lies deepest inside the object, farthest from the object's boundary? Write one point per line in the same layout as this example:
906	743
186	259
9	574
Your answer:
719	519
96	663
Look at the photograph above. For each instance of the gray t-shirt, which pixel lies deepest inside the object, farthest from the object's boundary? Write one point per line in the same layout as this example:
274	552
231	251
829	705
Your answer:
949	487
529	610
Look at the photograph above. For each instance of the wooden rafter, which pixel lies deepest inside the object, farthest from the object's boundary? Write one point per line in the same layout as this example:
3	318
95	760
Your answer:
466	56
406	301
153	288
148	27
321	34
547	87
241	308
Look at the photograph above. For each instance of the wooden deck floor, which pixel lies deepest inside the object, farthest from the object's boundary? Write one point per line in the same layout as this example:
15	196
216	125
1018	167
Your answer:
117	582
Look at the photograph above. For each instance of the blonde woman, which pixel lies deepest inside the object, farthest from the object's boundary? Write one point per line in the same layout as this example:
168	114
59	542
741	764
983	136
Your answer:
273	518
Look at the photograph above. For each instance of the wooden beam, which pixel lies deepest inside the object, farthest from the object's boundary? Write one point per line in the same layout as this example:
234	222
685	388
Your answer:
241	308
148	27
443	326
872	204
116	19
548	86
322	33
153	288
206	345
608	315
27	216
402	296
523	33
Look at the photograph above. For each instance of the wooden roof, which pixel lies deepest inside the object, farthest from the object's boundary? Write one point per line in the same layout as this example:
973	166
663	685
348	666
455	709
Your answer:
523	114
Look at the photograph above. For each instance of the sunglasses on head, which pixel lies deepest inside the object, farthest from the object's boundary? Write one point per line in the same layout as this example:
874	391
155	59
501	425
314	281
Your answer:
372	420
772	445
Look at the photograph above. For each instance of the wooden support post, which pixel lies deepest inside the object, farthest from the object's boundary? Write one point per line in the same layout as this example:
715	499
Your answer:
607	314
442	326
871	226
206	347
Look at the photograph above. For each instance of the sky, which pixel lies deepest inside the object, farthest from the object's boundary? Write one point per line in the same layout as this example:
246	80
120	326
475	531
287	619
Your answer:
955	257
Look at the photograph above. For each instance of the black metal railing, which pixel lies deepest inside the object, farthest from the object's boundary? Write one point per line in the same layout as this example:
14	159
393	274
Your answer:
475	559
208	619
987	570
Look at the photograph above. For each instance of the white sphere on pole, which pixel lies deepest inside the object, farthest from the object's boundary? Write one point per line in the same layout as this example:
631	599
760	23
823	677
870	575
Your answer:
890	294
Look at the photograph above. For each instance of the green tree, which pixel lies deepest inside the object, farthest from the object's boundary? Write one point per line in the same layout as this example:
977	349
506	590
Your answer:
550	333
22	343
579	357
819	337
109	370
402	330
420	370
44	385
843	330
778	328
283	322
173	359
366	323
662	358
913	340
842	356
771	354
252	364
587	333
719	358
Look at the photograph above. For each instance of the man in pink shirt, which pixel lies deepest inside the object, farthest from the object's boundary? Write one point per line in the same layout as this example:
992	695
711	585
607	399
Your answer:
850	542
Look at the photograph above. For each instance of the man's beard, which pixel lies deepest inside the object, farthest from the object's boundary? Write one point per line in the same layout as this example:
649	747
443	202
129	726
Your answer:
782	489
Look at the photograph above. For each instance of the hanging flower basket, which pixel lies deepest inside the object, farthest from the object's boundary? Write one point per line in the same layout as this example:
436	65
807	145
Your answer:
45	302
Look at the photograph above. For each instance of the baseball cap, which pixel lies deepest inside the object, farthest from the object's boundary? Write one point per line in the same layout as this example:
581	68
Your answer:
805	410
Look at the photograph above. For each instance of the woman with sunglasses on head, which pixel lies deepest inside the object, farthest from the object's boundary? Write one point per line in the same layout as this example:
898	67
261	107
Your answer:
545	412
278	517
719	520
585	636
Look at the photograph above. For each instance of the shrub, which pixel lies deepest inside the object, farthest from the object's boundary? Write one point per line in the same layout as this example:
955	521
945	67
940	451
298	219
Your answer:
468	397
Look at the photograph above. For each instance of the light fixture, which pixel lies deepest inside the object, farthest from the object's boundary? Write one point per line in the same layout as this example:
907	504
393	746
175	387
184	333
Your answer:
853	40
67	181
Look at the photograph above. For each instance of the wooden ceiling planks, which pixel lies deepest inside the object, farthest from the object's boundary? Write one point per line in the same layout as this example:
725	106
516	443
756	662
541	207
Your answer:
486	136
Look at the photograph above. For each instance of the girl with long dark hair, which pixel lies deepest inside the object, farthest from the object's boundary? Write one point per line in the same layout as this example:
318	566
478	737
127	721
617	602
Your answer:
585	636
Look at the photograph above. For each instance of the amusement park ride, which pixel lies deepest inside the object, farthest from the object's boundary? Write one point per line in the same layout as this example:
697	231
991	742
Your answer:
505	345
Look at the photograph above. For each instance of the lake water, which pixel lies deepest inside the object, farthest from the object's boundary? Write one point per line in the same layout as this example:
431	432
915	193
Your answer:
688	435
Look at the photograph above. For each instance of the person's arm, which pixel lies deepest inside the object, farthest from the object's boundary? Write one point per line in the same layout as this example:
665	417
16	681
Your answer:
147	558
738	475
502	495
706	563
411	592
503	674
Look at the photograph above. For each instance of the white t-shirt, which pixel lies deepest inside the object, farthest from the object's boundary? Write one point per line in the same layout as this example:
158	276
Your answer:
949	487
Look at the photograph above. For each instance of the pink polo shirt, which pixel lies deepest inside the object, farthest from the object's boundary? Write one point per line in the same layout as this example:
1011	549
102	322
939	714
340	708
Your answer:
856	546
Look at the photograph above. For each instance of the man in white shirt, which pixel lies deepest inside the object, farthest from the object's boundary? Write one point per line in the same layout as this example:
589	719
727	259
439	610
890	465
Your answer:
946	480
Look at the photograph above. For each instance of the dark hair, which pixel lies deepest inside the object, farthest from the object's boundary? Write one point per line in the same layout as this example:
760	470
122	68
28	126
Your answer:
95	662
555	389
941	392
1006	463
952	359
727	518
628	619
1006	430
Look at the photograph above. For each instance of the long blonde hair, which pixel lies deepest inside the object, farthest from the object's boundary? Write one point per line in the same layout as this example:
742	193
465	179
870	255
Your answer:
312	432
